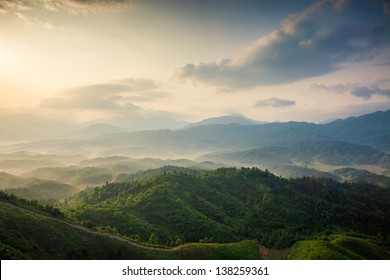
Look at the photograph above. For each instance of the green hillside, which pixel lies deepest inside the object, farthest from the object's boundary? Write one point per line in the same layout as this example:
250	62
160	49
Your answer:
31	231
33	188
358	175
45	190
229	205
337	247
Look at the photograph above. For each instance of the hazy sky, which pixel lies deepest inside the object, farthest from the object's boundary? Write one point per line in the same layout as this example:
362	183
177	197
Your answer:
125	60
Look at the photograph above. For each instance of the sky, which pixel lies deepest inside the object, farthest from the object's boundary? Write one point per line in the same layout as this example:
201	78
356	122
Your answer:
164	62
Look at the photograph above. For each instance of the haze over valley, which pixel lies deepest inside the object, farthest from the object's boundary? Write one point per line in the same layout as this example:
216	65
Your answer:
194	130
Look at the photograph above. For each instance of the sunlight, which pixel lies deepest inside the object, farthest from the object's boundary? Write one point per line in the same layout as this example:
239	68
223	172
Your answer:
2	58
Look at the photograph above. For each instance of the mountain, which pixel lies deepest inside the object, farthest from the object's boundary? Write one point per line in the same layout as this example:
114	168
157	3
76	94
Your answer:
26	128
229	205
22	161
155	217
229	119
304	153
73	175
370	129
362	175
9	181
33	188
32	231
97	129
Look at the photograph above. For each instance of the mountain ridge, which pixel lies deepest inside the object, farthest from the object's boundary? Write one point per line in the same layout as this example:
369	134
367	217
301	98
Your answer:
226	119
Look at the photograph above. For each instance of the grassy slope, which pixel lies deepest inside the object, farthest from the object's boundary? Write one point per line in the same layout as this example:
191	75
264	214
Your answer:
337	247
26	233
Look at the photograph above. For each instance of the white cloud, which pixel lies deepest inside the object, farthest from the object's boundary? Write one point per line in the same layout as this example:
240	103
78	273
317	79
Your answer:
100	96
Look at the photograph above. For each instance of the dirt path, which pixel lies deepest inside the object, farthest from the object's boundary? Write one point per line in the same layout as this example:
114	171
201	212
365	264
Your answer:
264	253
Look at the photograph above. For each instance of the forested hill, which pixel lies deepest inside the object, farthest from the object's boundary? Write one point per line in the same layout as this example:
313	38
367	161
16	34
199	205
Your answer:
229	204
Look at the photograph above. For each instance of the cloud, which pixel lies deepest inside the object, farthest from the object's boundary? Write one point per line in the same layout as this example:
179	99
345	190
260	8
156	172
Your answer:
70	6
139	84
366	93
274	102
95	97
310	43
113	103
94	6
340	5
336	88
117	95
386	8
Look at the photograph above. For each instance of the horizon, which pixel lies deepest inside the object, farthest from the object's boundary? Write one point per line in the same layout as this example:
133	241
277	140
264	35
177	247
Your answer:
158	64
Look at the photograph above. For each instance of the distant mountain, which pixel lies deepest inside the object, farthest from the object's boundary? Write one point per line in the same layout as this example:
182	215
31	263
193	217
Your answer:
33	188
23	127
370	129
20	162
229	119
73	175
97	129
305	152
362	175
9	181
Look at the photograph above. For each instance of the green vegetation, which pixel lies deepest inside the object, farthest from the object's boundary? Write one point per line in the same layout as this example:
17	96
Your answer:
229	205
245	250
337	247
31	231
356	175
33	188
219	214
45	191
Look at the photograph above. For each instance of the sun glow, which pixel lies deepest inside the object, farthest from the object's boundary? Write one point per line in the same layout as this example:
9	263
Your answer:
2	57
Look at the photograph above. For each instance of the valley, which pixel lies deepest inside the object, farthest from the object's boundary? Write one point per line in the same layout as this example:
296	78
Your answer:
209	190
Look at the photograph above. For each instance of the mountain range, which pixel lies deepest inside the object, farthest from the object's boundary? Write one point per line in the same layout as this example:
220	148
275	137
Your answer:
197	192
362	143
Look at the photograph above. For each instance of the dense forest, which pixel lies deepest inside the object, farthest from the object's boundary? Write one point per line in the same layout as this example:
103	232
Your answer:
227	213
229	204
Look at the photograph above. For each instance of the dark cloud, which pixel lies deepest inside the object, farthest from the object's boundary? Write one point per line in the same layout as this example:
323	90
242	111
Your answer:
366	93
386	8
310	43
274	102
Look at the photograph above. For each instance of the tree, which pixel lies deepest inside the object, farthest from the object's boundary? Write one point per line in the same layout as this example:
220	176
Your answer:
152	239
